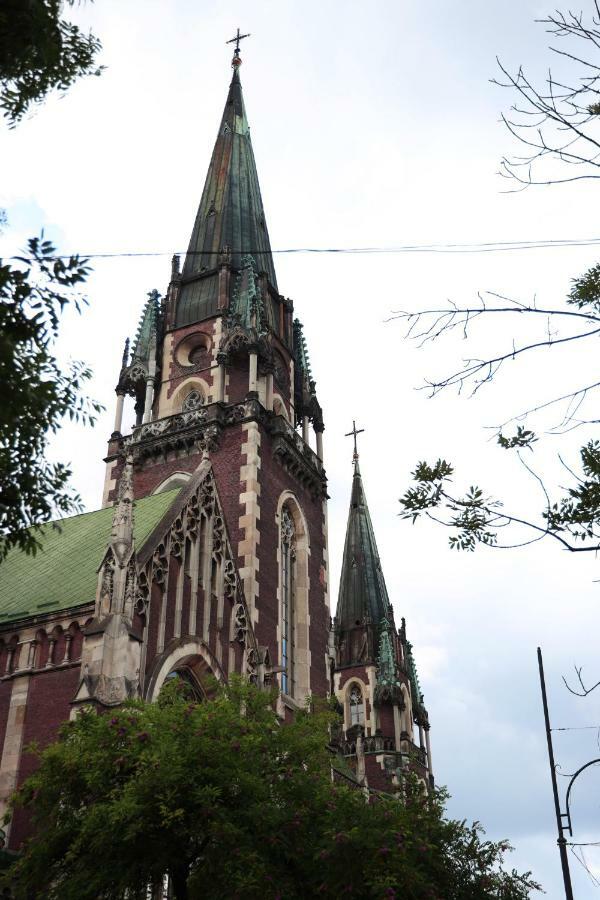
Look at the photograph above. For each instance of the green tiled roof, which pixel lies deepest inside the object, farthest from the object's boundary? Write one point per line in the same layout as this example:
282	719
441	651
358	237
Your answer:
64	573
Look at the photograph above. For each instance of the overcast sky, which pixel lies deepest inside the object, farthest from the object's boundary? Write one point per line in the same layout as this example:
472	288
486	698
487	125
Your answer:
373	125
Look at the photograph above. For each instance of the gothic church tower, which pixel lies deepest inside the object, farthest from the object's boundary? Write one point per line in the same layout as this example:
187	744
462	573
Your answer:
209	556
219	372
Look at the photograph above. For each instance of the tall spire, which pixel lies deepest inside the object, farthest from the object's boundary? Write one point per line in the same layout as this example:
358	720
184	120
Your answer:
363	594
230	222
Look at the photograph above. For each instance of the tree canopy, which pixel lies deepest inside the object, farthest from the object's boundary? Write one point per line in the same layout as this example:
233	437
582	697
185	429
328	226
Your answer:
40	52
37	391
227	802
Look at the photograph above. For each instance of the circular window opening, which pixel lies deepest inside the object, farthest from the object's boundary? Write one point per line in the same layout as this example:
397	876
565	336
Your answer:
193	350
198	355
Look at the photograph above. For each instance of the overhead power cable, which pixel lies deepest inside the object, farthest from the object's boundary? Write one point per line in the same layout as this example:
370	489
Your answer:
476	247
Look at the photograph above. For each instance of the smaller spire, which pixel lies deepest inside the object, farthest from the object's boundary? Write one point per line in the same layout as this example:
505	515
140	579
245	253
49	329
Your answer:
363	595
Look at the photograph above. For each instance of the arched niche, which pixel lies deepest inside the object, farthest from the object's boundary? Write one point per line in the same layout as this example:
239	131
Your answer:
192	385
189	654
355	705
175	480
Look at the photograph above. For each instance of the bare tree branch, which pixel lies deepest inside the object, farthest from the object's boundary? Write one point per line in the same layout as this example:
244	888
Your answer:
556	122
584	690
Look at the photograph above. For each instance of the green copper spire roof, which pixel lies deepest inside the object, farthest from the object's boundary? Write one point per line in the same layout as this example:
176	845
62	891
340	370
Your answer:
363	594
230	221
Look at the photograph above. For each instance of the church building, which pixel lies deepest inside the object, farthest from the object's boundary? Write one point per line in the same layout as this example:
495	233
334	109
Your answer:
209	555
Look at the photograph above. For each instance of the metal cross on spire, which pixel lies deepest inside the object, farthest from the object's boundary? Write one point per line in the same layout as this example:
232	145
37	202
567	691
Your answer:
355	431
236	40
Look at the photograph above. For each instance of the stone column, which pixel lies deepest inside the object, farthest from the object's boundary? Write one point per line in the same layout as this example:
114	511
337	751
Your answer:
68	639
305	430
149	398
269	392
119	413
31	654
319	434
50	660
428	746
253	374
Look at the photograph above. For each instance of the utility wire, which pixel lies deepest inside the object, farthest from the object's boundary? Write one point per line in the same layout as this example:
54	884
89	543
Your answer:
578	728
476	247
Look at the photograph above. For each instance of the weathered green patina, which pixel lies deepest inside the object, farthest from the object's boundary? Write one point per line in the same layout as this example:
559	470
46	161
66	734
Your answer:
64	573
363	595
230	222
147	332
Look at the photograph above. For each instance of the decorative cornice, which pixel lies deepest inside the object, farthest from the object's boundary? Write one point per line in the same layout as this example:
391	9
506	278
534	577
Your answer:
202	428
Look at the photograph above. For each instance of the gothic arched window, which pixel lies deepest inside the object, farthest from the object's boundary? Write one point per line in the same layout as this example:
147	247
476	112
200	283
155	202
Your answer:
288	559
187	684
357	706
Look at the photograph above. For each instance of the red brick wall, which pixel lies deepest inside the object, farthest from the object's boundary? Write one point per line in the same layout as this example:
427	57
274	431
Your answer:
237	387
48	705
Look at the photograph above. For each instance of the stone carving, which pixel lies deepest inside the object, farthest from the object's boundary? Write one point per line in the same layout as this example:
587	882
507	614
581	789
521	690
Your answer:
160	564
236	414
177	538
193	401
155	428
218	538
192	517
206	497
209	439
252	665
142	593
130	588
107	584
137	373
240	624
229	580
110	691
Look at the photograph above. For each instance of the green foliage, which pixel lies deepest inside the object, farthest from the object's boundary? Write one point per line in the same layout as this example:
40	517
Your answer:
40	52
428	492
232	804
37	393
470	515
523	438
586	290
579	512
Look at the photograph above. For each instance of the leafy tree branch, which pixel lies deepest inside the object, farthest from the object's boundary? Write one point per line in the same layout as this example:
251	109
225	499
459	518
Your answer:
474	518
38	392
40	52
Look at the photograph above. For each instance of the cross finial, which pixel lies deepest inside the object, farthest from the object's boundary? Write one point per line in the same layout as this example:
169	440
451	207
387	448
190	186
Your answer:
236	40
355	431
